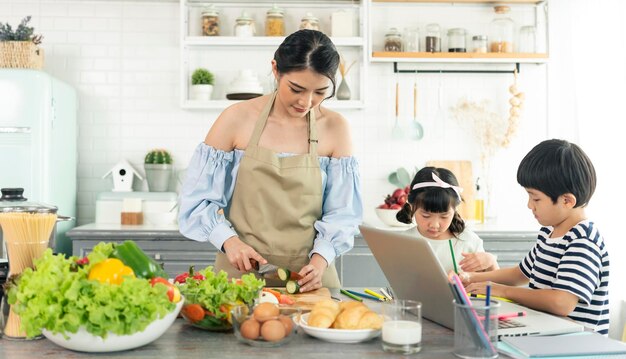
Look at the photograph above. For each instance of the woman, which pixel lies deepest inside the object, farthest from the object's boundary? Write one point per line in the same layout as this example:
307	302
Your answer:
275	180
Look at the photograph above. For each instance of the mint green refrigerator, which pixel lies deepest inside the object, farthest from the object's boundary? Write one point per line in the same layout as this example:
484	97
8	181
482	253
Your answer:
38	142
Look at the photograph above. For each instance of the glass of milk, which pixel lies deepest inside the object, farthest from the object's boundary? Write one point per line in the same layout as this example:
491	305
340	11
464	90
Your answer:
402	326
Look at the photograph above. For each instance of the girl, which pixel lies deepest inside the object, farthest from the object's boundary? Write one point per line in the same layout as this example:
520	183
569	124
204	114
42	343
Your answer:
435	195
274	180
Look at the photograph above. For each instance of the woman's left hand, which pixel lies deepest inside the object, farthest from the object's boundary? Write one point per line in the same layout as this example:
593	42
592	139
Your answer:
312	273
479	261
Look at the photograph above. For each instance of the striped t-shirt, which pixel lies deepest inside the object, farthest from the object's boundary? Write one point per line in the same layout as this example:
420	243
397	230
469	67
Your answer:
577	263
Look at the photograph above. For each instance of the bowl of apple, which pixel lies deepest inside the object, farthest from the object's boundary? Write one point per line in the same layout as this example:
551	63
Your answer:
393	203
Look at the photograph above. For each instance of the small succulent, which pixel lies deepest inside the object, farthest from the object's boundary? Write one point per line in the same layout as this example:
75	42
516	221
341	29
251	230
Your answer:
158	156
22	33
202	77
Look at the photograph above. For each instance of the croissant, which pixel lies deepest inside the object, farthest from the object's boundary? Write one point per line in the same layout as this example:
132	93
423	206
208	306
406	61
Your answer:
321	318
370	320
349	318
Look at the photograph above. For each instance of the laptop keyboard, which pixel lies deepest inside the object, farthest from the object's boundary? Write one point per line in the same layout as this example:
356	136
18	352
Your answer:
509	323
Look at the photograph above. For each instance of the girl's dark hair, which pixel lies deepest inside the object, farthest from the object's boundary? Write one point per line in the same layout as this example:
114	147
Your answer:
433	199
308	49
556	167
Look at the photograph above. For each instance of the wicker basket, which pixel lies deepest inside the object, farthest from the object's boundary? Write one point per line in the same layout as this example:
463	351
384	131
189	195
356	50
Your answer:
20	54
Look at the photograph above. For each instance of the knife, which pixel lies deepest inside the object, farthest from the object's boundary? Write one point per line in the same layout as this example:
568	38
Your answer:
269	270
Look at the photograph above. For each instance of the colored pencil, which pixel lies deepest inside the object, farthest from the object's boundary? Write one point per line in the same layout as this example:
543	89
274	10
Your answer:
384	291
456	270
362	295
350	295
371	292
505	316
473	295
487	307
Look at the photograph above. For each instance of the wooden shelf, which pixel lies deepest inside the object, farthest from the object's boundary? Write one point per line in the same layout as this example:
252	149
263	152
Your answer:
457	57
489	2
222	104
270	41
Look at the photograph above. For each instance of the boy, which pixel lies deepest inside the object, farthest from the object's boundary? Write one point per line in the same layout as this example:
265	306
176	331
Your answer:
567	271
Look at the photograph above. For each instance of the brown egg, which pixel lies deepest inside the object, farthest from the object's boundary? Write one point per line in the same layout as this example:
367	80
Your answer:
287	322
265	311
250	329
273	330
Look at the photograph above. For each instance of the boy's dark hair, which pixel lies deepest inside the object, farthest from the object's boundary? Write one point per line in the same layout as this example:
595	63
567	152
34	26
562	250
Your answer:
308	49
433	199
556	167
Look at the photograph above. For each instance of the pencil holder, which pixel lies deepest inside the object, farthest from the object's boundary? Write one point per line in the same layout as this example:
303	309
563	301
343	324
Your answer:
476	329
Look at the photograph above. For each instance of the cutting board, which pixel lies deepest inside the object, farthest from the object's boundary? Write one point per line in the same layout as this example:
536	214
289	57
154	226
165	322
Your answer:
463	172
306	301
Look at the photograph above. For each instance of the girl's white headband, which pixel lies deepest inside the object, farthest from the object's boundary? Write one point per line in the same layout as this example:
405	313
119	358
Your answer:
439	183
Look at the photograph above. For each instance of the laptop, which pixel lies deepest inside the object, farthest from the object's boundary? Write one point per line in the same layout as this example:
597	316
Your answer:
414	272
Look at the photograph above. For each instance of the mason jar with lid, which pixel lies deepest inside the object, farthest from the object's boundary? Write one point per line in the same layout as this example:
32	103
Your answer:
456	40
244	26
310	22
275	22
393	40
210	21
433	38
501	31
479	44
528	39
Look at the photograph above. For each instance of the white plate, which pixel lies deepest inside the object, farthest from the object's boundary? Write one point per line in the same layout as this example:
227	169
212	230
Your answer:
83	341
345	336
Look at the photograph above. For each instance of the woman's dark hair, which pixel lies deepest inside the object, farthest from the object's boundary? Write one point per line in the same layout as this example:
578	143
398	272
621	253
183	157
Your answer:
556	167
433	199
308	49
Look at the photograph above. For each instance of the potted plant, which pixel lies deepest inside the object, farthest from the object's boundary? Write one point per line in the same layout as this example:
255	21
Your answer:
18	49
201	84
158	166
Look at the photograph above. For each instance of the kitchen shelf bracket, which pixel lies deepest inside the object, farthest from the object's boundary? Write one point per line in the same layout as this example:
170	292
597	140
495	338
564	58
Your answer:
417	71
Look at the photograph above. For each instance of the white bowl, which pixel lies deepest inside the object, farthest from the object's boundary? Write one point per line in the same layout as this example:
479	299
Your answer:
388	217
161	218
83	341
345	336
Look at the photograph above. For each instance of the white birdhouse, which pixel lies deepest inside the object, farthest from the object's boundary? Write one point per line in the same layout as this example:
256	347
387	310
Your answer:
123	174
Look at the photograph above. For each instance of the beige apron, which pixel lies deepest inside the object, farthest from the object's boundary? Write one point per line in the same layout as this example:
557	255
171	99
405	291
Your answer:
275	203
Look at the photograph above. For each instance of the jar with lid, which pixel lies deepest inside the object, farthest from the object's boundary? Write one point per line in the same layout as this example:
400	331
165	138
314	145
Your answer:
275	22
501	31
411	39
310	22
456	40
479	43
244	26
210	21
527	39
433	38
393	40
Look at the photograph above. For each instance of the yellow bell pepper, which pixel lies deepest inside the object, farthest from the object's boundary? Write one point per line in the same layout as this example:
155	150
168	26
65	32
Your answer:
110	271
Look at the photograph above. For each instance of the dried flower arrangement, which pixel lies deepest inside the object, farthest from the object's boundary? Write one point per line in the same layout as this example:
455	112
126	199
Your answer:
22	33
343	69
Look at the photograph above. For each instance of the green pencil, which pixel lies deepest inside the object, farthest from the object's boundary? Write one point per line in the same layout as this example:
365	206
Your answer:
346	293
456	270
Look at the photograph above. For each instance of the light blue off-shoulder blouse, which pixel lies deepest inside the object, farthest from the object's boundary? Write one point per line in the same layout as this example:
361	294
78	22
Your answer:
209	186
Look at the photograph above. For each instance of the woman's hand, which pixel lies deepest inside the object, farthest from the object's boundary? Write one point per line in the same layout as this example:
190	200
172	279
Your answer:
239	254
479	261
465	277
312	273
497	290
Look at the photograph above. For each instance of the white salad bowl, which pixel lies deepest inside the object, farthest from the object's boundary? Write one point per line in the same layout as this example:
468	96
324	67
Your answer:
83	341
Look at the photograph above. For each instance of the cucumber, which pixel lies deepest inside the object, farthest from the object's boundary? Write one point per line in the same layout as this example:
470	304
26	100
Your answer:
292	287
285	274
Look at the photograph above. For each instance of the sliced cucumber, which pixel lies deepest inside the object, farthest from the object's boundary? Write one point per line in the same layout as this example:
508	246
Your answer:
284	274
292	287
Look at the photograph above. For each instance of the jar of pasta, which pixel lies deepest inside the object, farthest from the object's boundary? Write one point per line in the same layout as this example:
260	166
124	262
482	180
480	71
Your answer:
310	22
210	21
275	22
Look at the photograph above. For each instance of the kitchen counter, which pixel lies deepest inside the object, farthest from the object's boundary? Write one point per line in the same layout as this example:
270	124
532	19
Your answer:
184	341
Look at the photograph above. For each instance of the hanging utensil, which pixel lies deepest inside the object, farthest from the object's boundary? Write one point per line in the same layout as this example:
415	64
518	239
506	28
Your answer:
397	131
417	132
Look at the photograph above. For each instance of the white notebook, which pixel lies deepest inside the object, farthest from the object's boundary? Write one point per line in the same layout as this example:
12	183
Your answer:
566	345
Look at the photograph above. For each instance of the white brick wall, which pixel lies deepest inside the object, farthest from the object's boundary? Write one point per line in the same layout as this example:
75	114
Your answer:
123	58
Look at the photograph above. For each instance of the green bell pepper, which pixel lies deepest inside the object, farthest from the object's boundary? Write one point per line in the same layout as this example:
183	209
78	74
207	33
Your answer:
143	266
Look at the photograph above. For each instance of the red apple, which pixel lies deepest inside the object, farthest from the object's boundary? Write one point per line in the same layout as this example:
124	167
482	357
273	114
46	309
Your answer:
397	193
384	206
401	200
395	206
407	189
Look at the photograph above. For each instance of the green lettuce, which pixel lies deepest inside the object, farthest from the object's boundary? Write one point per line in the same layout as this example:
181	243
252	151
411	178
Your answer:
57	296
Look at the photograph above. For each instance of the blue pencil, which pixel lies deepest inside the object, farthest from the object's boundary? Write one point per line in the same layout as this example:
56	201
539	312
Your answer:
363	295
487	303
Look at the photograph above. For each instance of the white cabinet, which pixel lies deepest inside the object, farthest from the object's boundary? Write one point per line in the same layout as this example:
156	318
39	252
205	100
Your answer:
225	55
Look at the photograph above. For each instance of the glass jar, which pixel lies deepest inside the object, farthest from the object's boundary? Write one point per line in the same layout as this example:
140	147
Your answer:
456	40
310	22
244	26
433	38
275	22
479	43
411	39
501	31
528	39
210	21
393	40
